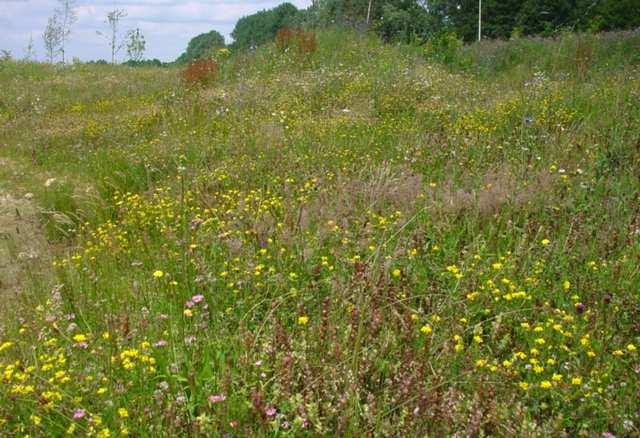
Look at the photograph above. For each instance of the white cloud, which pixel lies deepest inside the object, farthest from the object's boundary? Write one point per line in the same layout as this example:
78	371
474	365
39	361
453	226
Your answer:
167	25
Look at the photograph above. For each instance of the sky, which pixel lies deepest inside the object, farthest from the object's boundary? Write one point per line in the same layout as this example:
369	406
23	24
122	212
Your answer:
167	25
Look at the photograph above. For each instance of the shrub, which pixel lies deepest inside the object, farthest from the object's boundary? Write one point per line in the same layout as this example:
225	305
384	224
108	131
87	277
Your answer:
201	72
446	48
304	42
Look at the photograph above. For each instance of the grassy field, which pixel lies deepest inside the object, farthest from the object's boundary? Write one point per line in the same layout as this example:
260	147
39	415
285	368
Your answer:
368	240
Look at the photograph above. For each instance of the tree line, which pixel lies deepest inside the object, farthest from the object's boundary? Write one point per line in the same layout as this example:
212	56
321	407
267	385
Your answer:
418	20
413	21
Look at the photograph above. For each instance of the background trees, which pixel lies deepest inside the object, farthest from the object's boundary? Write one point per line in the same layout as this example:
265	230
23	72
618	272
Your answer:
200	45
256	29
136	45
52	38
67	16
409	20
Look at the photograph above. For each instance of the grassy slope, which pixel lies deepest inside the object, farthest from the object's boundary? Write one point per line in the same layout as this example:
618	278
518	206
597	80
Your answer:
355	242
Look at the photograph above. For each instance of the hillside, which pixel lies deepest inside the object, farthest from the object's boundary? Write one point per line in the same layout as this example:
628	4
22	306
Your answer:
364	240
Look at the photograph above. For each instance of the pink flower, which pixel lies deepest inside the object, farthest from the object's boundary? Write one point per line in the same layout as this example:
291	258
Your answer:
160	343
218	398
270	412
79	414
189	304
197	298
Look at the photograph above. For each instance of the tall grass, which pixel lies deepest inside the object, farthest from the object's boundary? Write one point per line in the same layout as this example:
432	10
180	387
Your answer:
362	242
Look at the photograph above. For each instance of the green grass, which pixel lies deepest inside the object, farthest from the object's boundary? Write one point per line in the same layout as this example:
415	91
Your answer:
356	242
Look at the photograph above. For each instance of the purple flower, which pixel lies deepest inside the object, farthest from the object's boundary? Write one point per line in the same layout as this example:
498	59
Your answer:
580	307
189	304
197	298
79	414
270	411
217	398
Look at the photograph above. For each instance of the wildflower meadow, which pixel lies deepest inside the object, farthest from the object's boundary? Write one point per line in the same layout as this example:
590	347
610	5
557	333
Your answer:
329	236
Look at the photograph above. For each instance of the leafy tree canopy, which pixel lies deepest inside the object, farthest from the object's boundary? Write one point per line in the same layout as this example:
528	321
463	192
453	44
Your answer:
261	27
200	45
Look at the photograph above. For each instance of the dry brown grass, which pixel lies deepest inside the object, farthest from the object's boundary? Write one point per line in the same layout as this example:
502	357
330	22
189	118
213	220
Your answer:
303	41
200	72
24	252
498	189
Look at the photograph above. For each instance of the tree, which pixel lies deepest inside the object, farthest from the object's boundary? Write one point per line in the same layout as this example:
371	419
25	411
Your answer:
136	45
113	21
52	38
66	17
405	20
261	27
30	51
200	45
613	14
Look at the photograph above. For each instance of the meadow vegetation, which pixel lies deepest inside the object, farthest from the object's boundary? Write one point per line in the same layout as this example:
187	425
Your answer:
353	239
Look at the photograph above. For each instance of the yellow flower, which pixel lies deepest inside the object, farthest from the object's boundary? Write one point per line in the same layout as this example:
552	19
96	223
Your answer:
303	320
5	345
497	266
426	329
577	380
158	274
396	273
566	285
104	433
187	312
556	377
79	338
618	353
36	420
123	413
545	242
631	348
545	384
523	385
